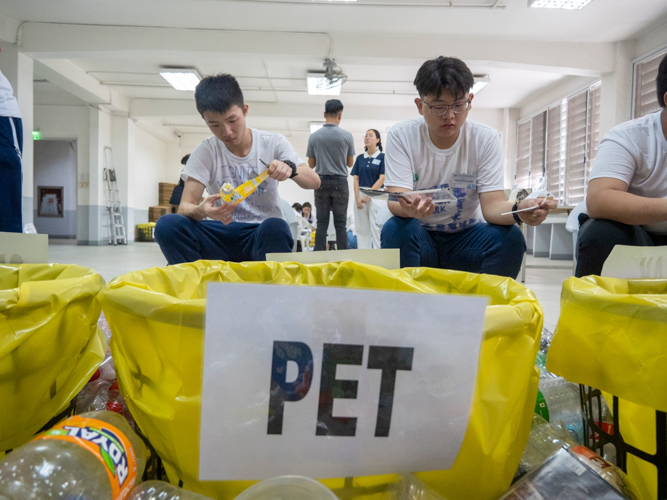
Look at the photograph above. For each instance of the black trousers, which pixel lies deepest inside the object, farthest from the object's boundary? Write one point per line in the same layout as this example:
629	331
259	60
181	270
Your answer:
598	237
11	176
332	196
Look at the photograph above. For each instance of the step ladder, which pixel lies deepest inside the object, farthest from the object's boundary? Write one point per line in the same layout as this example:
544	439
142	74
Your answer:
116	223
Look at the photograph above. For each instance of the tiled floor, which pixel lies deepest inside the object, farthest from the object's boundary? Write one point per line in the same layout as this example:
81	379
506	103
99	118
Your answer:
112	261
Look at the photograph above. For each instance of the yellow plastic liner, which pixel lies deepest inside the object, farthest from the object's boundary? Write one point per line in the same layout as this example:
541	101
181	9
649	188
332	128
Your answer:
50	345
612	335
157	320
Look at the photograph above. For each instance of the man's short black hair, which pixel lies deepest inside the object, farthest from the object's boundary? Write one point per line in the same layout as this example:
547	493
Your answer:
185	159
661	82
218	93
444	73
333	107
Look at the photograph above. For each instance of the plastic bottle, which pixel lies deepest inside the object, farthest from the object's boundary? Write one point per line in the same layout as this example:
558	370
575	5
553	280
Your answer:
545	439
558	399
93	456
230	195
609	472
159	490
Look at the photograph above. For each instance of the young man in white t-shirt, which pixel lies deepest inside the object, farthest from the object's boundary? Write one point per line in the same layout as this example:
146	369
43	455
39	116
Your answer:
252	228
627	193
442	150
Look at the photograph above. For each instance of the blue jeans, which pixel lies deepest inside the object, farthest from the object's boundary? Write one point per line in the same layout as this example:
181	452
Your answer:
182	239
482	248
11	176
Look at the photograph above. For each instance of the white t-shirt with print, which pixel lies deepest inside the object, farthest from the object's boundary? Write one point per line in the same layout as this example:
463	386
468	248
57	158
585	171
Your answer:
212	164
413	162
635	152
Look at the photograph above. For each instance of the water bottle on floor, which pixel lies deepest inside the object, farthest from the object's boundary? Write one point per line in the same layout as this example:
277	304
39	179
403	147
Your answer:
159	490
92	456
558	399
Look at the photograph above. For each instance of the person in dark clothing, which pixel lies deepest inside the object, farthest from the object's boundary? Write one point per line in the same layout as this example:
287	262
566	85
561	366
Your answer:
11	150
627	193
331	154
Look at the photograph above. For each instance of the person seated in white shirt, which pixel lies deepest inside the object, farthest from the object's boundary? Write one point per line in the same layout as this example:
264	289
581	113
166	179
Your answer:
252	228
443	150
627	191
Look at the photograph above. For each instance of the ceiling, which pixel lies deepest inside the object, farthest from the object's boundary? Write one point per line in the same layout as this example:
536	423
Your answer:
600	21
270	45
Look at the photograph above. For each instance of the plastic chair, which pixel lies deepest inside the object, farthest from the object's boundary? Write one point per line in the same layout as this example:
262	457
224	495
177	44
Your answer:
290	217
572	225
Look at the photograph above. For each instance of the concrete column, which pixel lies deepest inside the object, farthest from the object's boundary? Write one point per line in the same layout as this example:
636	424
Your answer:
616	90
18	68
95	229
510	117
123	148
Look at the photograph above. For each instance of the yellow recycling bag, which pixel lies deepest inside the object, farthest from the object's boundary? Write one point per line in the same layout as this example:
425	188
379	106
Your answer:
157	320
50	345
612	335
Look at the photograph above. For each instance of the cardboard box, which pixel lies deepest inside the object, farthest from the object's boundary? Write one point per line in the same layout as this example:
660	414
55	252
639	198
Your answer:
166	189
154	213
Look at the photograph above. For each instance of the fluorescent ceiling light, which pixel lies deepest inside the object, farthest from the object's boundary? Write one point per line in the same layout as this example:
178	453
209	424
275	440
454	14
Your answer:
334	0
319	85
181	78
315	126
481	81
559	4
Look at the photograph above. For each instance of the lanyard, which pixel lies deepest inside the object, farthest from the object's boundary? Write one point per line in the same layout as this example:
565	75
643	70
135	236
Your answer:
16	139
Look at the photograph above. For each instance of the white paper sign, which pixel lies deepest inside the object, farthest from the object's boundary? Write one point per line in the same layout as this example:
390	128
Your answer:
20	248
394	393
628	262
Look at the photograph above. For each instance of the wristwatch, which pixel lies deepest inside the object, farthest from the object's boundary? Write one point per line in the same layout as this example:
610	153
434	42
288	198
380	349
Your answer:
515	215
292	166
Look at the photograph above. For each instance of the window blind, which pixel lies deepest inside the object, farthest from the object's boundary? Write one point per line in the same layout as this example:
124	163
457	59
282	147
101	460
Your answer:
523	154
556	117
577	148
593	128
646	74
537	148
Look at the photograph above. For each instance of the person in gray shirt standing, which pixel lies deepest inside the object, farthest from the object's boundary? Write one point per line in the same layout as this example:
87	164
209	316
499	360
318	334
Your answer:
331	154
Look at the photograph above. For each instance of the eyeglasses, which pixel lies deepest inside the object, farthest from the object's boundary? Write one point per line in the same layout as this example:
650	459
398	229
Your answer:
370	136
459	107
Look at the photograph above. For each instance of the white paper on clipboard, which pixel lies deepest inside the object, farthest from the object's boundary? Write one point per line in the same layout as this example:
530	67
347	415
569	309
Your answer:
436	195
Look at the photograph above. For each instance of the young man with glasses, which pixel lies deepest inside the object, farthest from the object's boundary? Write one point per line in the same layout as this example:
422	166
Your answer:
441	150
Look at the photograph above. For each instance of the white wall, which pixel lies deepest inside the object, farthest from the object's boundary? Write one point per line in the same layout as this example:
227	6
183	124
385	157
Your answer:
68	123
55	165
150	160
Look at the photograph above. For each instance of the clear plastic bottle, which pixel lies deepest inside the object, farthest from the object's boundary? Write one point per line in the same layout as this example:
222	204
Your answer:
607	471
545	439
51	467
559	399
159	490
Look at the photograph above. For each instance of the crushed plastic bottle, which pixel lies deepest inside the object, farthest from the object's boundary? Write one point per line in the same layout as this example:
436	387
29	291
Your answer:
93	396
235	196
607	471
409	487
558	399
93	456
545	439
159	490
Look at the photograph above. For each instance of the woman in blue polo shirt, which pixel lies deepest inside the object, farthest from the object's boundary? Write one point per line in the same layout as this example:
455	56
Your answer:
368	171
